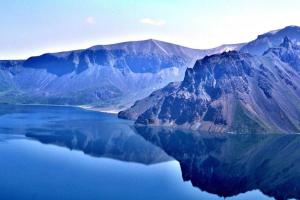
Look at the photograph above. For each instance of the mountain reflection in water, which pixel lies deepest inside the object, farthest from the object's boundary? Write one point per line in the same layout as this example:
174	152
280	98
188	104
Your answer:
96	134
98	139
228	165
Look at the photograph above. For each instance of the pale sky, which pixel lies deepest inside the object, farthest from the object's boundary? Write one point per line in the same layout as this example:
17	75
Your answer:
33	27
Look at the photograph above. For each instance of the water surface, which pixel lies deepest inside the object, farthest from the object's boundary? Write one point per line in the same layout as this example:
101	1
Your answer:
52	152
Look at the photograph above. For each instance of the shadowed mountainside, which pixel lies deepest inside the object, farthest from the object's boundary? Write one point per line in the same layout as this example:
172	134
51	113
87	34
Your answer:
232	91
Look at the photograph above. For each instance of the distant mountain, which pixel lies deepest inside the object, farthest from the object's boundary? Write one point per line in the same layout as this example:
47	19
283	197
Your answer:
230	92
115	76
104	75
287	52
272	39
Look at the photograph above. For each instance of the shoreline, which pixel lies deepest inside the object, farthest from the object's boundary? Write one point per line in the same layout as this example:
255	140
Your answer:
103	110
84	107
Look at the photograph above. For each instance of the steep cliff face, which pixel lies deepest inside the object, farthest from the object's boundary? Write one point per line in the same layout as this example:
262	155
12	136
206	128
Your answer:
143	105
232	91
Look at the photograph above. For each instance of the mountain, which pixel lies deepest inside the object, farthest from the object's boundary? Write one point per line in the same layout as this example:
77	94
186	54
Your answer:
271	39
232	164
230	92
112	76
287	52
102	75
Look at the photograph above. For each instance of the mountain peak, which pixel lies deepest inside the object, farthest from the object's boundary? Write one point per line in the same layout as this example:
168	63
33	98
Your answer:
272	39
287	52
292	27
286	46
151	40
225	55
287	43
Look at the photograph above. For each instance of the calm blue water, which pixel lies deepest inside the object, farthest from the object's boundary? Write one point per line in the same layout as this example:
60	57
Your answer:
69	153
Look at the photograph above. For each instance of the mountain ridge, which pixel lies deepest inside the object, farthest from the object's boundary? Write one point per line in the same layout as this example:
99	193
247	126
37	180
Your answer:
231	91
110	76
271	39
103	75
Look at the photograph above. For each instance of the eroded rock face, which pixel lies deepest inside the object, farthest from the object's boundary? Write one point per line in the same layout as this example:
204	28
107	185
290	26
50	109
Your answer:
232	91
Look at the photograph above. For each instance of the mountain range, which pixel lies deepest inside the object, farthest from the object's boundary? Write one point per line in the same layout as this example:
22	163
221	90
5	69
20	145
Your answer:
253	90
105	75
247	87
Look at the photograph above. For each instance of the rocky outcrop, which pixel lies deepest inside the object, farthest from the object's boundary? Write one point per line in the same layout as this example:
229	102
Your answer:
231	92
271	39
141	106
287	52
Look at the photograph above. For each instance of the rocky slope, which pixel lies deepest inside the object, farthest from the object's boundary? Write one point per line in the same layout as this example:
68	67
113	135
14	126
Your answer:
230	92
103	75
271	39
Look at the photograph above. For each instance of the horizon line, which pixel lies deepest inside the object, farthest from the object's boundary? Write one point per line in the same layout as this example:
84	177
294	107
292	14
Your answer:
137	40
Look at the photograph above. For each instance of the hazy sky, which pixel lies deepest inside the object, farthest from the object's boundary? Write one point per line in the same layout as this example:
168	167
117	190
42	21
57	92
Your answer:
32	27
